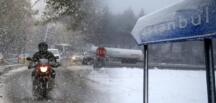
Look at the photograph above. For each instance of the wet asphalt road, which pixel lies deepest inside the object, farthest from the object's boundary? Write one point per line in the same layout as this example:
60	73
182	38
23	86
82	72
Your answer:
76	85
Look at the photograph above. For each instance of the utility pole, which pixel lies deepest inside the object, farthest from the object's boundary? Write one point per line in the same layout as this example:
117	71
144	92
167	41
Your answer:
31	6
46	34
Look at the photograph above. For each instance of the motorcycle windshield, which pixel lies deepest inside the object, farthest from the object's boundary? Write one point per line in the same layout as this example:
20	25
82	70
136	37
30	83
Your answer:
44	61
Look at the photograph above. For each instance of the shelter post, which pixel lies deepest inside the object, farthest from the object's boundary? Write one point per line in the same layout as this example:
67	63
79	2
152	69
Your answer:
210	74
145	74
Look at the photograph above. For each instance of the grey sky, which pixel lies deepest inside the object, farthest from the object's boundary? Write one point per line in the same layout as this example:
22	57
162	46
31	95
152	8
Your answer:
117	6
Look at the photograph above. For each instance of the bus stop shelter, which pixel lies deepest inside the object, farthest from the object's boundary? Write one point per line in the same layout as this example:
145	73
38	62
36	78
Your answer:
185	20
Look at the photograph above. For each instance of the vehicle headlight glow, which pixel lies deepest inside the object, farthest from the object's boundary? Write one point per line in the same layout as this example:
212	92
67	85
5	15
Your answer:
44	69
74	58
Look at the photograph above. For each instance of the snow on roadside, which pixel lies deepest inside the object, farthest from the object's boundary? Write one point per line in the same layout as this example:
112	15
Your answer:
177	86
165	86
3	98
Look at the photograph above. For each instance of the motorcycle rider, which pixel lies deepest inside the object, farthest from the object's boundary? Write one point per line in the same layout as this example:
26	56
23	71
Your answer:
43	53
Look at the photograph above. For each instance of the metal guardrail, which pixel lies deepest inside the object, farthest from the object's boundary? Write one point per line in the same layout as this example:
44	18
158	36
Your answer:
11	61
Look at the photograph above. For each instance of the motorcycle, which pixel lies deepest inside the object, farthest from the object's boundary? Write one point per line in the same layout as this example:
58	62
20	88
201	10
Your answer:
42	78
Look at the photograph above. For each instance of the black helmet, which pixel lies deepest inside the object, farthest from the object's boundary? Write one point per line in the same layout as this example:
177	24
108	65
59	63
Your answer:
43	47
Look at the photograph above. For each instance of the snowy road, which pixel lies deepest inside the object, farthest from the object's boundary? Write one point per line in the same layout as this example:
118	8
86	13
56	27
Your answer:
73	85
79	84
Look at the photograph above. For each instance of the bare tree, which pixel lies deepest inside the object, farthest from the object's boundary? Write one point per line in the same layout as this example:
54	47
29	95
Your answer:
15	17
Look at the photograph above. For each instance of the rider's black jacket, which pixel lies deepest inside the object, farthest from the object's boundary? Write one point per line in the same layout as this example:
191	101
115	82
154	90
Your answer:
44	55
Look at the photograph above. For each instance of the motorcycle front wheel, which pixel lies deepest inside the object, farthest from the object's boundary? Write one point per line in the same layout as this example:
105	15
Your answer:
40	89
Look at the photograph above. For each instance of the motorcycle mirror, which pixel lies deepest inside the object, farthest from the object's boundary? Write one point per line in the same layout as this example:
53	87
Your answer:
29	58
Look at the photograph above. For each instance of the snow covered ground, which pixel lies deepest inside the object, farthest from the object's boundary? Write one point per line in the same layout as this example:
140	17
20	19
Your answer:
177	86
165	86
110	85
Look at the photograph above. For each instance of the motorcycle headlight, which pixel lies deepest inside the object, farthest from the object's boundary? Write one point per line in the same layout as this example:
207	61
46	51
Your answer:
44	69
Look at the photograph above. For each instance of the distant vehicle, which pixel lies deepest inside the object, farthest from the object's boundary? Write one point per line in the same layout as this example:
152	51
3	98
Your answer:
77	58
56	53
123	55
100	59
22	58
88	59
63	48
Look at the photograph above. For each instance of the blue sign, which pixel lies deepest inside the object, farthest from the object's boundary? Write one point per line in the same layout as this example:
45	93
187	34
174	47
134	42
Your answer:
188	19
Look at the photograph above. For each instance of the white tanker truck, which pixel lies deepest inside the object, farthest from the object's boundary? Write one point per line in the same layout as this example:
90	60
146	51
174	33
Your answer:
118	54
